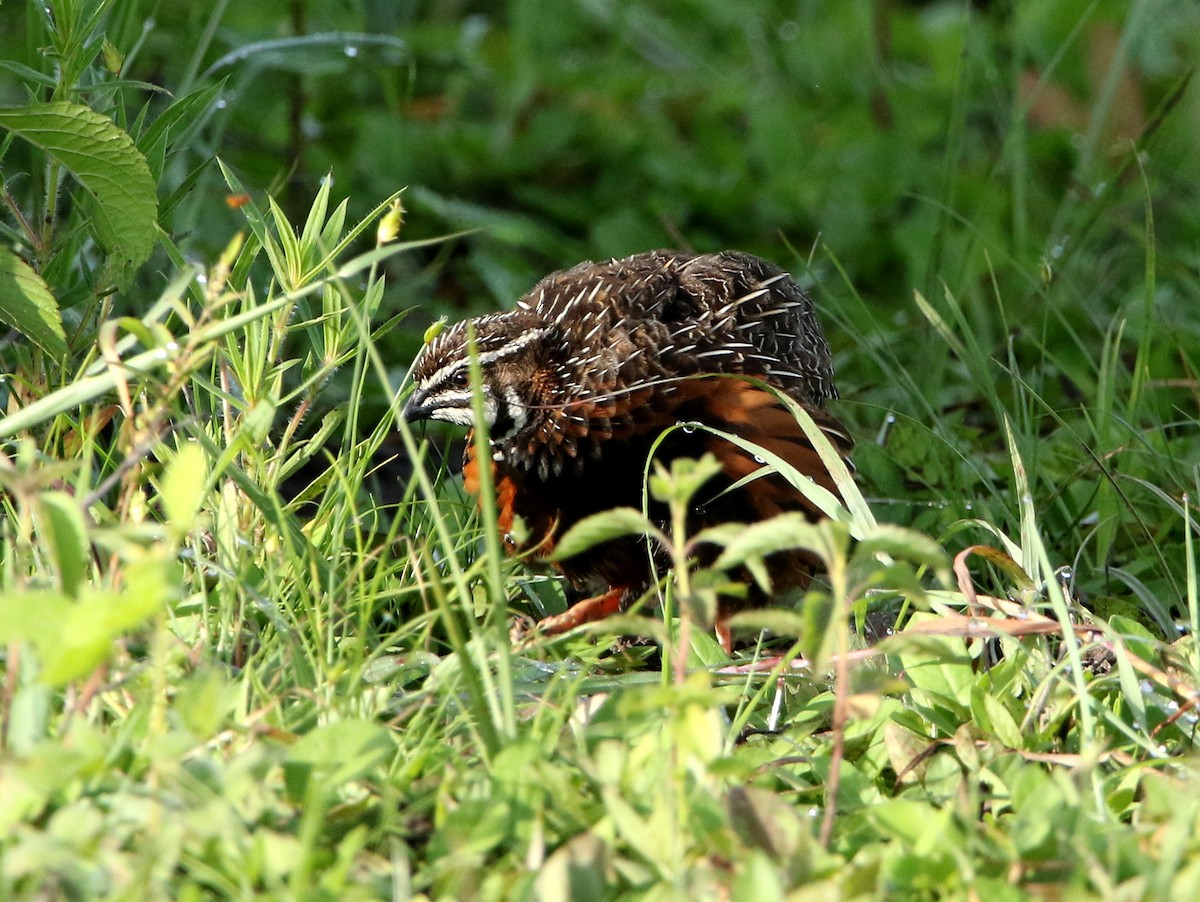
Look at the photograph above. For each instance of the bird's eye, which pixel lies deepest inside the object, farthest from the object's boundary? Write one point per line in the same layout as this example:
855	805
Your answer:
461	379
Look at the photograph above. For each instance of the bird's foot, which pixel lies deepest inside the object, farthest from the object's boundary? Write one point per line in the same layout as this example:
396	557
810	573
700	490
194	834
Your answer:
590	610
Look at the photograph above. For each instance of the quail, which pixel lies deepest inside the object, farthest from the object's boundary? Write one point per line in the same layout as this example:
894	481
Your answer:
581	379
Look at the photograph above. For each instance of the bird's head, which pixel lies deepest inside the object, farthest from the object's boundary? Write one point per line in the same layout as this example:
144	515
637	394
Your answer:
508	347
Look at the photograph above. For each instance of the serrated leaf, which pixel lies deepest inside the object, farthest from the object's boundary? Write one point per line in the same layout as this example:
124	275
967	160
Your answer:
107	165
603	527
27	305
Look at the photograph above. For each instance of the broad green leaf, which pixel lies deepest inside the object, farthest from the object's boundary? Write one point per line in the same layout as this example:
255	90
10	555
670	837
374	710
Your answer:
27	305
183	485
73	638
603	527
64	528
91	627
994	719
105	162
30	616
912	822
939	665
340	751
906	752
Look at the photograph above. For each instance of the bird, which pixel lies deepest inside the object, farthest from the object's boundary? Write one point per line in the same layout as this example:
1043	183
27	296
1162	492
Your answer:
582	378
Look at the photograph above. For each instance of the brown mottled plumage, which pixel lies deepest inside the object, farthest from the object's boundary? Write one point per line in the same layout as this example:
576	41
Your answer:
584	375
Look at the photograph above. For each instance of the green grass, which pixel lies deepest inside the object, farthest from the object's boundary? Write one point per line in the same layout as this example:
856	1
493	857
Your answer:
253	636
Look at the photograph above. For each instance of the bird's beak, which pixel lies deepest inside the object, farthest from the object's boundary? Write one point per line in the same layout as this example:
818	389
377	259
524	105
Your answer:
415	409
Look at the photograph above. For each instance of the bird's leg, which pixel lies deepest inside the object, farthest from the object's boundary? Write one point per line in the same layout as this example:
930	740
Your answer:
590	610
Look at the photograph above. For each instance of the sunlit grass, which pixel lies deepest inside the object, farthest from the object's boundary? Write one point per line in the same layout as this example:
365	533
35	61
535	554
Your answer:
255	636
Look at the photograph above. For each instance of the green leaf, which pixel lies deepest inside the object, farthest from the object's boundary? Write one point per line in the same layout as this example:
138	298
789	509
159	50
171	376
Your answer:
939	665
73	638
173	123
340	751
765	821
993	718
105	162
685	478
575	870
92	625
779	621
32	616
907	544
27	305
183	486
66	533
756	541
603	527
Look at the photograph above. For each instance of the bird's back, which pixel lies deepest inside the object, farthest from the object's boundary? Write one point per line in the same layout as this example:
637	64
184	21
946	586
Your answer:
663	314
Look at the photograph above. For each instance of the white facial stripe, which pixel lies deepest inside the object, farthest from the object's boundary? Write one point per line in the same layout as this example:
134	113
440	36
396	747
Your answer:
487	358
458	410
459	416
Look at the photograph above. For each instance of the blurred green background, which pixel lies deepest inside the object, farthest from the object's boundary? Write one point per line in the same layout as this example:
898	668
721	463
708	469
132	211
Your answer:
905	142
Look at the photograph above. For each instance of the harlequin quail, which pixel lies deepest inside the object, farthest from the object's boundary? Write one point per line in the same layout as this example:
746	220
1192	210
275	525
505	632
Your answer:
581	379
